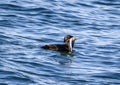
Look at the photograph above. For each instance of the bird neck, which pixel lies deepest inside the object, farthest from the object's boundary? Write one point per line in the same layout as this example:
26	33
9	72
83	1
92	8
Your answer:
71	44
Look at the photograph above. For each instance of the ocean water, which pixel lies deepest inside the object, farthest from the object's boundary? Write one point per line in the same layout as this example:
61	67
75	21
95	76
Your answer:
26	25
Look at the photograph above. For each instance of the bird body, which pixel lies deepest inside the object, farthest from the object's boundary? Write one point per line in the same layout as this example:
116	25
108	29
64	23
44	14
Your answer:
67	46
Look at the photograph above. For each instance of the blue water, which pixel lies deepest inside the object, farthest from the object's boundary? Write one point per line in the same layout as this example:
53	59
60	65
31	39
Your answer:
26	25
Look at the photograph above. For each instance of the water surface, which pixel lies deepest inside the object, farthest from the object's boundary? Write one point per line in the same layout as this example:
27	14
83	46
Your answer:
26	25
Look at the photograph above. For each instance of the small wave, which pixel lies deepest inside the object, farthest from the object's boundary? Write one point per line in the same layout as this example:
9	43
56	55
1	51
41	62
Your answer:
11	7
107	3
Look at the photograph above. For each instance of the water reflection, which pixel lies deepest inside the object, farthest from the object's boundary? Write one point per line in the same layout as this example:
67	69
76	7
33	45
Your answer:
64	58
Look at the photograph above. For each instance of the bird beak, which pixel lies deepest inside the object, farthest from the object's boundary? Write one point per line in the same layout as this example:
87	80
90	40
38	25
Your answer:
74	38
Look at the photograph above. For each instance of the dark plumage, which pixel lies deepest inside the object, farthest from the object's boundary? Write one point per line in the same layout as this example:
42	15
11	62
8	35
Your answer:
67	46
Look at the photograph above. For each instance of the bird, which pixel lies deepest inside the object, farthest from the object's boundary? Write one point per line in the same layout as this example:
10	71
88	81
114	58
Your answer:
67	46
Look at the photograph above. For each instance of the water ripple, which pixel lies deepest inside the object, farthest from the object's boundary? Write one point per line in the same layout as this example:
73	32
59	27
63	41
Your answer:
26	25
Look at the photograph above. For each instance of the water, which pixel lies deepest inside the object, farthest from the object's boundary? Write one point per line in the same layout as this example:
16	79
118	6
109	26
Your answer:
26	25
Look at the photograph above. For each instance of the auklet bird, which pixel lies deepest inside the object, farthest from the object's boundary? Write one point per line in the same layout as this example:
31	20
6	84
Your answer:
67	46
